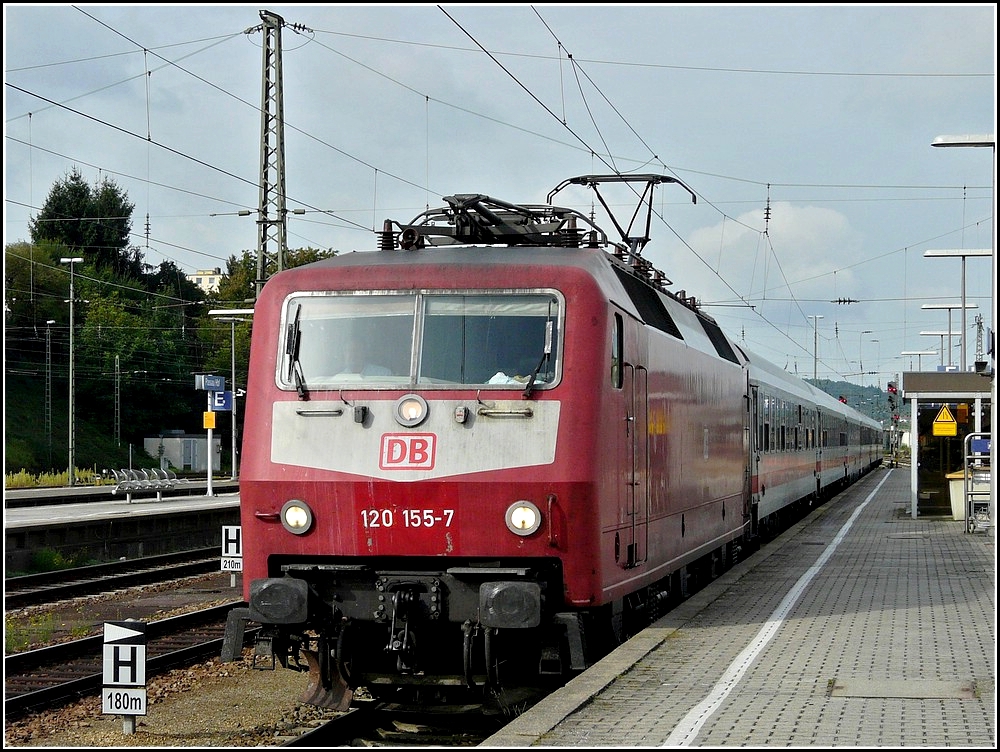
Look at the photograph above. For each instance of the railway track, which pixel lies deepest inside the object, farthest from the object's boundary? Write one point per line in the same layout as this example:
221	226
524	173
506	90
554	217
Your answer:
51	587
51	676
380	724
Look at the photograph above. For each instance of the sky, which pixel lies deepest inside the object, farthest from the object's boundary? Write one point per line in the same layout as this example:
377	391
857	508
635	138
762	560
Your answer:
803	131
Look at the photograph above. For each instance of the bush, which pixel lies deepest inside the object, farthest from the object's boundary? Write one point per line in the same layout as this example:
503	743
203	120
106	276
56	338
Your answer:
50	560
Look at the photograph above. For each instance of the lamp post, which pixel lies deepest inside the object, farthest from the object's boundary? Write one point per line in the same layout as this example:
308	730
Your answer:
220	313
48	385
950	307
942	335
815	318
964	254
861	362
72	427
985	141
919	354
878	354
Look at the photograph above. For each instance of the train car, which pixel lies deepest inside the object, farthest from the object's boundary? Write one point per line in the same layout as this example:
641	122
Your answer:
480	456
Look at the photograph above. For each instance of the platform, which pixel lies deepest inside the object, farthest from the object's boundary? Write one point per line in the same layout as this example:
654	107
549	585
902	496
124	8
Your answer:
105	530
858	627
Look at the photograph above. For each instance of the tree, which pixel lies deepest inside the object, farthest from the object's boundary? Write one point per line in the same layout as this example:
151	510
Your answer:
94	221
238	286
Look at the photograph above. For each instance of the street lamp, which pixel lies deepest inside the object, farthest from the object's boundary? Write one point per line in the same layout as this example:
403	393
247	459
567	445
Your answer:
990	141
221	314
48	384
964	254
942	335
815	318
861	362
918	353
72	427
950	307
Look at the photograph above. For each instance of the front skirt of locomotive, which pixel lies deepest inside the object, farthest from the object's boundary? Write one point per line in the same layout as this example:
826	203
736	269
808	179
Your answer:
387	628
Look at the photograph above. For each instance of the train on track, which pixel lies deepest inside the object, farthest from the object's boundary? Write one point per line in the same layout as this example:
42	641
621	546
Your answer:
480	456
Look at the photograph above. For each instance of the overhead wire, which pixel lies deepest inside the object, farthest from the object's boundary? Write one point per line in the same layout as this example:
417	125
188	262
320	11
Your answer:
594	153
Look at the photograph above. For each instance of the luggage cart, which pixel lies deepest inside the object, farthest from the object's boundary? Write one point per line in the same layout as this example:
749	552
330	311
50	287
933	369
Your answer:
976	482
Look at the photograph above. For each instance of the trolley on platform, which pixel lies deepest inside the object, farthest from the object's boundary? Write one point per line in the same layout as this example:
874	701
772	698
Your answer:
976	482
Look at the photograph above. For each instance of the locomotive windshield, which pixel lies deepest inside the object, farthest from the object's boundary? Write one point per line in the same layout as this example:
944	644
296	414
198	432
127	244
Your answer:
425	339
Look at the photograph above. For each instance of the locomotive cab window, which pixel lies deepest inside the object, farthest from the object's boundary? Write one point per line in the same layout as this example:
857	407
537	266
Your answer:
488	339
503	340
336	340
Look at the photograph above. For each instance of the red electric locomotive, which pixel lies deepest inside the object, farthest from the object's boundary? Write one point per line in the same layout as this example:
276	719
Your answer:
485	453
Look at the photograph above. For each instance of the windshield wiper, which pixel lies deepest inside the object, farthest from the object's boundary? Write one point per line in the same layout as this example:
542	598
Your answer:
546	353
292	341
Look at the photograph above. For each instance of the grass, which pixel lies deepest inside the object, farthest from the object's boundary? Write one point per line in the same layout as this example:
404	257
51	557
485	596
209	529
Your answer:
20	633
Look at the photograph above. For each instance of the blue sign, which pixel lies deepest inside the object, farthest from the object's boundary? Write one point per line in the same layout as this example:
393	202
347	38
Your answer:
222	402
209	383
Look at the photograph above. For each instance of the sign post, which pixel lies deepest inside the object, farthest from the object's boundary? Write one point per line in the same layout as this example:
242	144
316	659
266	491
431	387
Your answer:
232	551
124	691
210	384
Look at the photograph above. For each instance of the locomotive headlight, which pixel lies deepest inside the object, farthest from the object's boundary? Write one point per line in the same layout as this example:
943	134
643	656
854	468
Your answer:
411	409
523	518
296	517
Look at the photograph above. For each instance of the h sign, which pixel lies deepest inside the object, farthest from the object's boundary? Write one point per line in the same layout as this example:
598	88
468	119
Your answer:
232	540
232	548
125	654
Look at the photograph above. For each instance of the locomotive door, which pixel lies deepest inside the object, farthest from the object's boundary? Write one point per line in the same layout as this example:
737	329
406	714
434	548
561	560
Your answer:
635	386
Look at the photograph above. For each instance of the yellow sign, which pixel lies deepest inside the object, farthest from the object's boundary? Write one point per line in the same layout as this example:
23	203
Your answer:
209	421
944	423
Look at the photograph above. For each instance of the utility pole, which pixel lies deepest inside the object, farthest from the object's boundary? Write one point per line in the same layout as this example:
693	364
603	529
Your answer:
72	415
816	318
272	235
118	402
48	385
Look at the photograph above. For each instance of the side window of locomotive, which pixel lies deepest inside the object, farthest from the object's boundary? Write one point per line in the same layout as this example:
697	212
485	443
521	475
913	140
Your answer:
493	340
617	338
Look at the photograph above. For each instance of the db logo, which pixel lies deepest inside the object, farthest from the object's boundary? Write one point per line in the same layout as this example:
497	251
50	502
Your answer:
407	451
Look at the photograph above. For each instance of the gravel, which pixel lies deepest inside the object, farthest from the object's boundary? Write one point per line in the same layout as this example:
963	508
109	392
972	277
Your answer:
213	704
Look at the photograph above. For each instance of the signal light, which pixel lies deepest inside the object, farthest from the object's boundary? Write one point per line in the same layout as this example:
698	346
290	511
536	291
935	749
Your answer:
892	387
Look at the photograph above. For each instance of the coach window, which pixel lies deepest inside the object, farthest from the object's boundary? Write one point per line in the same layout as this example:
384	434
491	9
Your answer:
783	418
617	337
